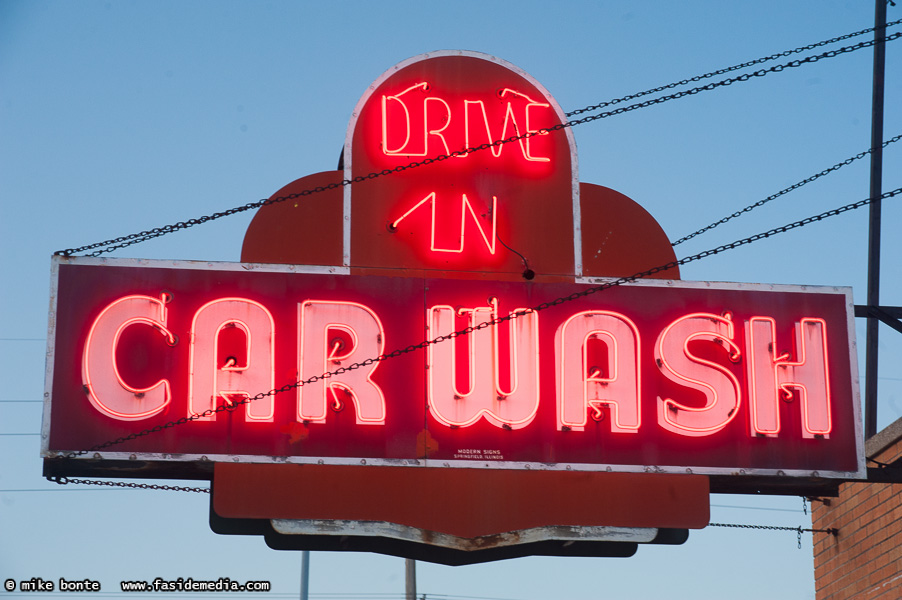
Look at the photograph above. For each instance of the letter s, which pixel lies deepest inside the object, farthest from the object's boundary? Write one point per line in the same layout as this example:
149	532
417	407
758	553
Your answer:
719	386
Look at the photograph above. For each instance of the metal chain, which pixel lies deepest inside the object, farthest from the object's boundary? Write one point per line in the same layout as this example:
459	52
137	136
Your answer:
494	321
143	236
122	484
724	82
110	245
750	63
799	530
466	331
795	186
125	241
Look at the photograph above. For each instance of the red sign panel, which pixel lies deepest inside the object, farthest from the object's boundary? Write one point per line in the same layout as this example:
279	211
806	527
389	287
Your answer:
656	376
450	214
471	204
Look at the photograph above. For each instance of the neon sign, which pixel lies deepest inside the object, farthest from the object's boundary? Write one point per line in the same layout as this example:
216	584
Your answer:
403	115
484	211
168	368
434	109
465	208
650	383
661	377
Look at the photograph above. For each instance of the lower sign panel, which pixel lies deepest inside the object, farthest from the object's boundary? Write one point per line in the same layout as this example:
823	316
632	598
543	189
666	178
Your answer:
455	516
461	503
454	557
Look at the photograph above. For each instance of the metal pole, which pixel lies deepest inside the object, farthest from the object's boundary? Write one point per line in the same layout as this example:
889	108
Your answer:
871	362
305	574
410	578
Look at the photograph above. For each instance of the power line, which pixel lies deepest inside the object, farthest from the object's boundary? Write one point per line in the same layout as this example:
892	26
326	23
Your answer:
386	596
118	594
269	595
8	491
754	508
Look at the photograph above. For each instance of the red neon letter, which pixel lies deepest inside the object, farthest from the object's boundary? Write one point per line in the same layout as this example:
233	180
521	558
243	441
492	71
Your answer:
582	386
508	119
213	376
772	374
385	127
319	355
464	207
443	117
100	374
678	364
514	409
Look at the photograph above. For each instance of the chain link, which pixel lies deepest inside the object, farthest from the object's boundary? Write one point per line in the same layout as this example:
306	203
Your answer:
799	530
784	191
495	321
100	248
791	188
454	334
122	484
729	81
723	71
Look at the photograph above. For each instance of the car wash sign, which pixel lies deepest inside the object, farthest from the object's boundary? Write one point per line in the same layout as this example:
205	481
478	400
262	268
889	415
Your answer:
664	376
436	312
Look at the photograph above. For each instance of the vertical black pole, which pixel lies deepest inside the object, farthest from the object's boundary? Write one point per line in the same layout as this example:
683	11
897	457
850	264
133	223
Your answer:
410	579
305	574
871	362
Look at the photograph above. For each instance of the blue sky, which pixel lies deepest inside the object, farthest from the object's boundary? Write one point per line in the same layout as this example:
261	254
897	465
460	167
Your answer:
121	116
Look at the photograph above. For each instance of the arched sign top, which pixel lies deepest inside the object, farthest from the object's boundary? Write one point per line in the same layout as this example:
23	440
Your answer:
468	98
499	212
468	209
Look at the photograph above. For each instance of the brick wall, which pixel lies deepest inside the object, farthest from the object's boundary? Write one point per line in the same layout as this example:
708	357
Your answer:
864	561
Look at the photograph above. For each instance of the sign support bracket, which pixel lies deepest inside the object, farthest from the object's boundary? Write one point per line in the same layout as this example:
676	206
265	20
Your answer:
871	360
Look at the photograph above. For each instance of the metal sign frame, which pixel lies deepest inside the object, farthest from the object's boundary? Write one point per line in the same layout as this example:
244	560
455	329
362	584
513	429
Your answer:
128	453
